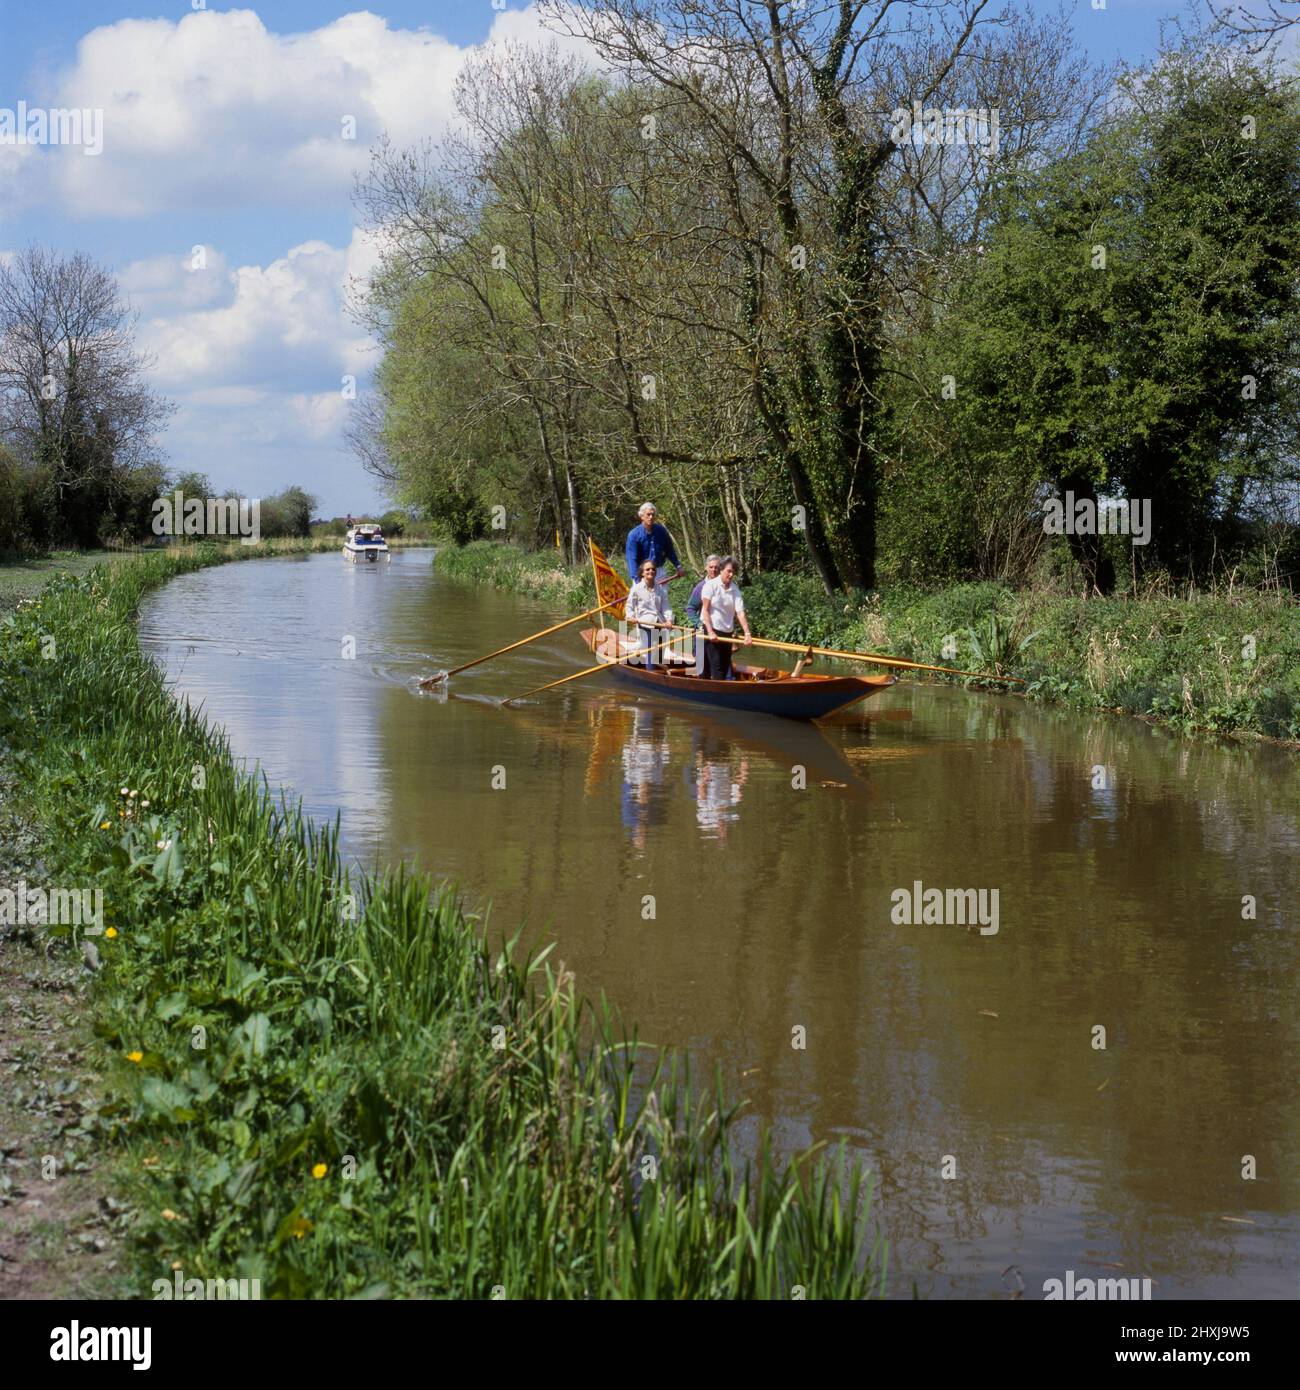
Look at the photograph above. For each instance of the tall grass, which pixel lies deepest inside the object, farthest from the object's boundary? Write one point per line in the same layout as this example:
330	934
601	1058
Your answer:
325	1079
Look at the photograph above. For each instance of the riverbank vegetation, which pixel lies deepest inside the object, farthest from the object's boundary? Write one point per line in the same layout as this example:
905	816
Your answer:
324	1079
1225	660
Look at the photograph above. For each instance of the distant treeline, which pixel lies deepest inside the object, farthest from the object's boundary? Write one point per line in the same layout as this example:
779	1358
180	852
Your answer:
855	303
393	523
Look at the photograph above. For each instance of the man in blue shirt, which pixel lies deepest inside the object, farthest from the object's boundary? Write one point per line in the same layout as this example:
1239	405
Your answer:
651	541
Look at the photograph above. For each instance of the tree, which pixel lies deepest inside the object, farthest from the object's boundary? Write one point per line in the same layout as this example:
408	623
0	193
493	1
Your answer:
74	402
1132	328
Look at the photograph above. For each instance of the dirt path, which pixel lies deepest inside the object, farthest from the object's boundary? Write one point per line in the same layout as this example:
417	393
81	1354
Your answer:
59	1225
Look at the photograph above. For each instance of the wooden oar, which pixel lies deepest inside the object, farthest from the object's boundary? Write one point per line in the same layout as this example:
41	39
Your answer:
523	641
590	671
897	661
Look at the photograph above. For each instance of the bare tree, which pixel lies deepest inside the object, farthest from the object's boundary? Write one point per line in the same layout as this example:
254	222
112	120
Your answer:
1258	23
74	398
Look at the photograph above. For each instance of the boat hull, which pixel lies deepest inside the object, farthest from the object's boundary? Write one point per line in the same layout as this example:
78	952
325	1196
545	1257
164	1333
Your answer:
788	697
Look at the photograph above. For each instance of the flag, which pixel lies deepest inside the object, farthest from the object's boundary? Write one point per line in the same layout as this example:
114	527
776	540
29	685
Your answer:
609	587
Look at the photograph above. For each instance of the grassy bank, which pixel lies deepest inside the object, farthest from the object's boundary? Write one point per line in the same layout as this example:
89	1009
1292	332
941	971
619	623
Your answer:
1227	661
325	1081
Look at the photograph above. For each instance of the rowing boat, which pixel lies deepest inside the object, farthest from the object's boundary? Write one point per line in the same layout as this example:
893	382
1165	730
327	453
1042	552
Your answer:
756	689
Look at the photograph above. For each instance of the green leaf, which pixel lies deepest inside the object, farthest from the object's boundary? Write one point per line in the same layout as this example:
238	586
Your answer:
168	867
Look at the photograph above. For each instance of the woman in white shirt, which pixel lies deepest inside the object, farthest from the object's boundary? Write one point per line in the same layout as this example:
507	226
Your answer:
647	606
720	606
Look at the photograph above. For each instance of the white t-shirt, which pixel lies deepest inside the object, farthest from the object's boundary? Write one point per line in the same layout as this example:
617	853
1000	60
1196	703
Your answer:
724	604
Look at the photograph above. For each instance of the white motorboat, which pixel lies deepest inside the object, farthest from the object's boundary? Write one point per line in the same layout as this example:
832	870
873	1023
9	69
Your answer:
365	543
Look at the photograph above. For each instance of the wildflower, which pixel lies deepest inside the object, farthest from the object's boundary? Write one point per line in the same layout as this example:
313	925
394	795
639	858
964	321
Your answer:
104	825
135	1056
168	1214
300	1227
134	794
144	803
111	933
320	1170
122	791
164	844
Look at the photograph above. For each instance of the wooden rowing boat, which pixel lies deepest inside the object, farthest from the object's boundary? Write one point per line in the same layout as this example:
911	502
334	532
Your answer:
756	689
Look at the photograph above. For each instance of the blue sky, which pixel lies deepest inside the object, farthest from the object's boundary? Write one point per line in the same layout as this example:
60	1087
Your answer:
222	132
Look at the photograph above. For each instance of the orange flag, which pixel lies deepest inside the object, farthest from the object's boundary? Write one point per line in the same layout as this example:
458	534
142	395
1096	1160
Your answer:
609	587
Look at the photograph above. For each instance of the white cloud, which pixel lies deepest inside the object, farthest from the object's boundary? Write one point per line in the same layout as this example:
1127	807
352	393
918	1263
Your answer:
215	111
281	326
172	284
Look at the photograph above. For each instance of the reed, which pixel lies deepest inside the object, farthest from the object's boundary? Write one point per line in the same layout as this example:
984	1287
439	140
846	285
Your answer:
325	1079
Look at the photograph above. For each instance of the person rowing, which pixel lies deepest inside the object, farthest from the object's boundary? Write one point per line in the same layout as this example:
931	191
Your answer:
720	605
711	566
647	608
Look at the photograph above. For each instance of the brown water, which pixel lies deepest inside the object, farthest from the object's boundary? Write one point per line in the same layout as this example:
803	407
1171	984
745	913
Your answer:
1120	906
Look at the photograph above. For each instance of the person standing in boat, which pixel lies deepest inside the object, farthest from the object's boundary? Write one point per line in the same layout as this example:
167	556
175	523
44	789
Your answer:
720	606
711	567
647	609
650	541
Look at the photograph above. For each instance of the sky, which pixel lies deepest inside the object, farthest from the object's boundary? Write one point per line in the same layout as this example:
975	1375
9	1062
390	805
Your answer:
222	196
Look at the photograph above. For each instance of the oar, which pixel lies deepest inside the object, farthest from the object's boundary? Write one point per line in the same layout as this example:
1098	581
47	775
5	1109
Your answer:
590	671
897	661
523	641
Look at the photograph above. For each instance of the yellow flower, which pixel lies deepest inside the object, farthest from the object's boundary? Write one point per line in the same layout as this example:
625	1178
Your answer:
111	933
104	826
169	1215
135	1056
320	1170
300	1227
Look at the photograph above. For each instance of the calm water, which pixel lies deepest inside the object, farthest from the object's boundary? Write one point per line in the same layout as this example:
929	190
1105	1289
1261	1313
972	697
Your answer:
1120	906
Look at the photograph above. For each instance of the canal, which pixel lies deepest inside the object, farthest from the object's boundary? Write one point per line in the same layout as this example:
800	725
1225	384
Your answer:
1095	1074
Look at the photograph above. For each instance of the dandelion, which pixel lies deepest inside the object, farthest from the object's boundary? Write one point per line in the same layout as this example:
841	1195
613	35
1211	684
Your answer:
135	1056
111	933
320	1170
169	1215
300	1227
104	825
